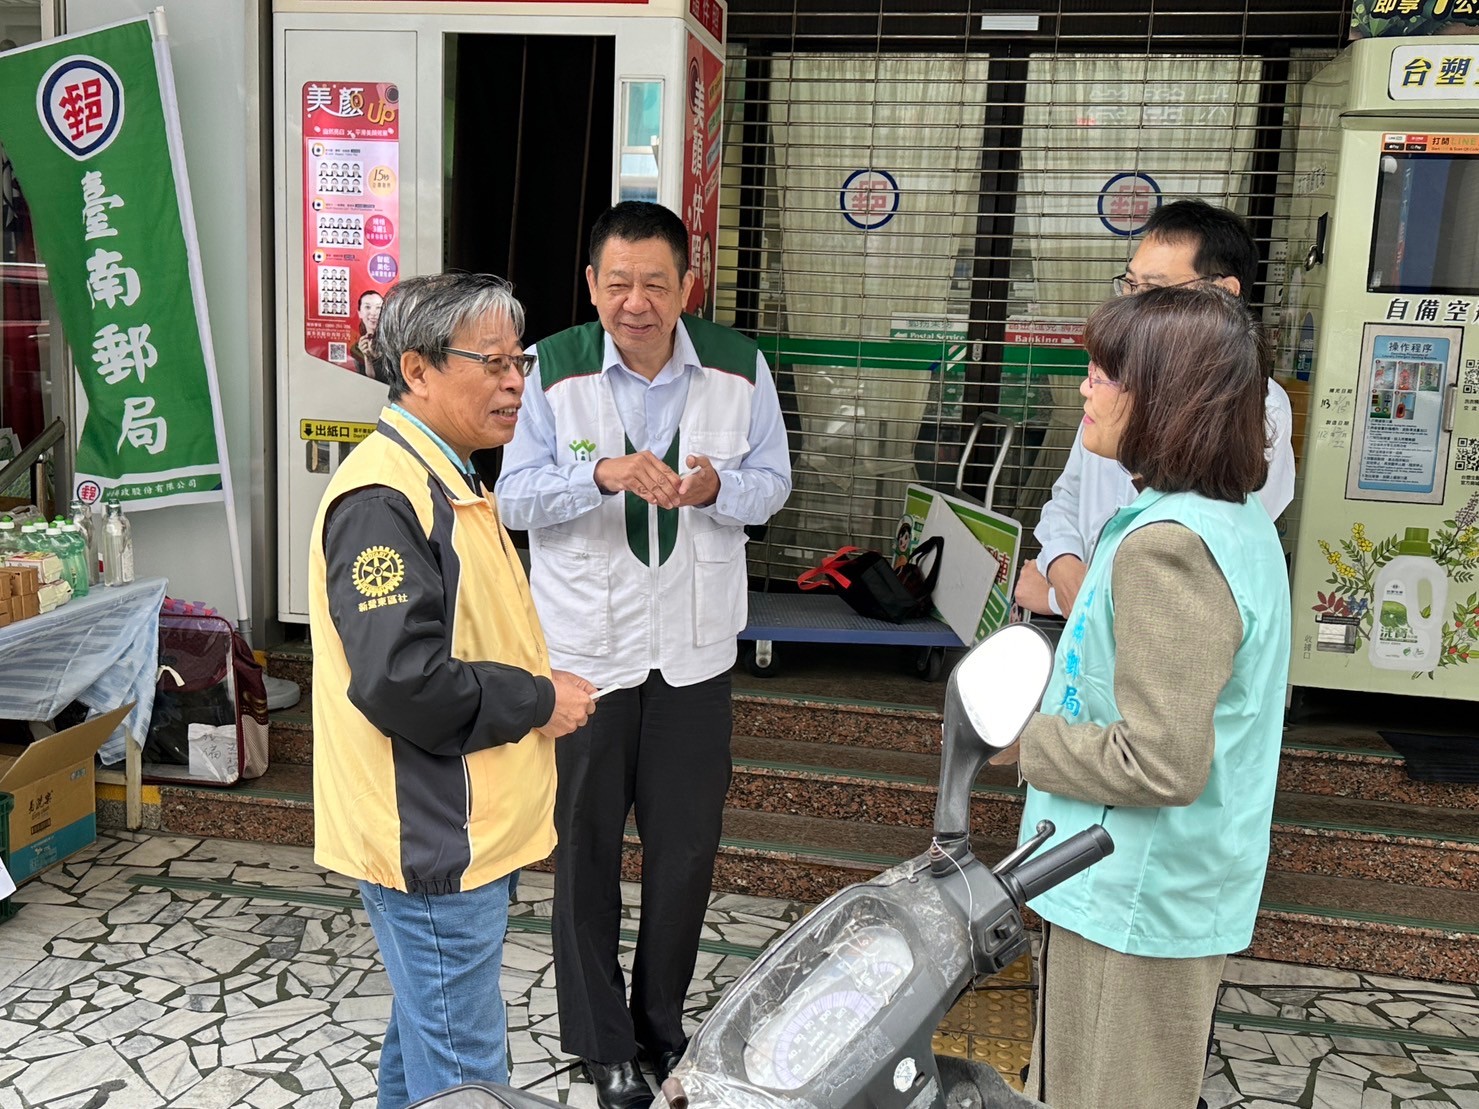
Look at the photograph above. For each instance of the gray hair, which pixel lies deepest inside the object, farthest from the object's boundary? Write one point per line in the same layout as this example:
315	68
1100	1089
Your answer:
422	314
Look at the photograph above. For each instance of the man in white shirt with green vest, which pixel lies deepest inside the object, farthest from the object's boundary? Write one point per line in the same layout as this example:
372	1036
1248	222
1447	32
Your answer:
653	440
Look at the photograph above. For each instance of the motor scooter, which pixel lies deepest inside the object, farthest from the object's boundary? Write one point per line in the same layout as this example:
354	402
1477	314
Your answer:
840	1012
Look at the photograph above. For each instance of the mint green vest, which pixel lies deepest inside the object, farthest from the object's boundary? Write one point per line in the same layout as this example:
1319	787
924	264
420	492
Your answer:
1183	882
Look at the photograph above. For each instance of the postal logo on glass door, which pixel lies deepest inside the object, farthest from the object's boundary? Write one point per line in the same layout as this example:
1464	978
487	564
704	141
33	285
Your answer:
869	198
80	102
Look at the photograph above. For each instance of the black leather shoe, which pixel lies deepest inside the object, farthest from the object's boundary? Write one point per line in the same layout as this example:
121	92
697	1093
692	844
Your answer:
618	1085
664	1062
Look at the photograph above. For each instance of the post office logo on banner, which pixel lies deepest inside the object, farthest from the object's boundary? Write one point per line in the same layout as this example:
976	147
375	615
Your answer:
1126	202
80	102
869	198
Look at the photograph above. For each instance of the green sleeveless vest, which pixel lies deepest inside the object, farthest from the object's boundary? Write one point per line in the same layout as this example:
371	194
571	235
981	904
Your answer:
1183	882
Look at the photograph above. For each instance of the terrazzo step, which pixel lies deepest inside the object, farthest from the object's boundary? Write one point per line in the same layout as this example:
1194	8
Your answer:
275	808
292	660
1357	924
290	734
1422	845
1343	837
1350	761
1354	924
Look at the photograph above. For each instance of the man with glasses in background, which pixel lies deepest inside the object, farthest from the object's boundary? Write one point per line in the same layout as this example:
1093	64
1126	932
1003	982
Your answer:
1183	243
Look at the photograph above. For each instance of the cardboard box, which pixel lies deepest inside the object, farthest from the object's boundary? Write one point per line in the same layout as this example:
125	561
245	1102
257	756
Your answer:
22	579
23	606
4	588
52	783
48	567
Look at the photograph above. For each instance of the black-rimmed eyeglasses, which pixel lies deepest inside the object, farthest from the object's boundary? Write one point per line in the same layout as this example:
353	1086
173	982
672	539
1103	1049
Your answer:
496	365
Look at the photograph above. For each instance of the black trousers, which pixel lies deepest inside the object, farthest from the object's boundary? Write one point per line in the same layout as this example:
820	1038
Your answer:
664	751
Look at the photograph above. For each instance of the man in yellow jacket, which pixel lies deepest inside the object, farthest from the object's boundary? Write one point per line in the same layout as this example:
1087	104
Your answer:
434	707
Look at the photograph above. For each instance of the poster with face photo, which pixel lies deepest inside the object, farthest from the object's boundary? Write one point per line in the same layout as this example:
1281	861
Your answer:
351	216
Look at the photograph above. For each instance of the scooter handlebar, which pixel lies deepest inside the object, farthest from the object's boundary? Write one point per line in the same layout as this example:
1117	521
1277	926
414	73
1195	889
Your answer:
1058	864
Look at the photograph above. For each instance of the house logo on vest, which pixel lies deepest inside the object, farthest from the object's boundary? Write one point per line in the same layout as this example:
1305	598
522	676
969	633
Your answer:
377	574
80	102
583	449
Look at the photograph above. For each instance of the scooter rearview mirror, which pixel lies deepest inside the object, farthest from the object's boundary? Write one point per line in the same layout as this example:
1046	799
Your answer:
1001	682
992	694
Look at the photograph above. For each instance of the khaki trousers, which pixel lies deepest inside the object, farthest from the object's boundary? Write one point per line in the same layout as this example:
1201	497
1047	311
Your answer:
1118	1031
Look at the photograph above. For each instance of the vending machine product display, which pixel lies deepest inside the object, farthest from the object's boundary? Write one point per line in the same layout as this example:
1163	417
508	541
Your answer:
1382	344
412	138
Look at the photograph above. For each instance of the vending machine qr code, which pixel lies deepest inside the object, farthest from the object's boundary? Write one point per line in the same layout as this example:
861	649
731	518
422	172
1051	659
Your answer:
1471	377
333	291
1466	456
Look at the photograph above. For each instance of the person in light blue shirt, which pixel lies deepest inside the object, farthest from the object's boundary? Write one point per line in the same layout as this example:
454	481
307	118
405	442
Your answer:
651	441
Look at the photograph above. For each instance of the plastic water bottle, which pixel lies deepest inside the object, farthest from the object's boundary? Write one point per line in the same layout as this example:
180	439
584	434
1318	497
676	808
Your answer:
73	535
65	548
10	538
118	547
83	517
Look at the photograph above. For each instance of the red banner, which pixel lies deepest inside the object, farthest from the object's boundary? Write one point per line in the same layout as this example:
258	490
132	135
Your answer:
701	131
351	215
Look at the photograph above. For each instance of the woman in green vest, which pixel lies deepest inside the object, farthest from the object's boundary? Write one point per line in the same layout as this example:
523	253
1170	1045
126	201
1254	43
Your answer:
1163	718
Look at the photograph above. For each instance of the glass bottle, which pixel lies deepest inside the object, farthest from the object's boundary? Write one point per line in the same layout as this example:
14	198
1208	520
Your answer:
83	517
118	548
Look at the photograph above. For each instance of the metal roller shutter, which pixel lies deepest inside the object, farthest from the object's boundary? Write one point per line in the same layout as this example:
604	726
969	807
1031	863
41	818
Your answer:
922	202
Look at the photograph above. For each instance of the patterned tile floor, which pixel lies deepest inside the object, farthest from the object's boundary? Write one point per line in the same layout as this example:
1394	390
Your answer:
166	971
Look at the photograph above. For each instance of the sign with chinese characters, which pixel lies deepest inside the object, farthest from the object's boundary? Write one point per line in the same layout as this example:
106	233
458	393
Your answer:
351	216
702	120
1399	450
710	16
947	391
1126	202
1434	71
333	431
101	155
1385	18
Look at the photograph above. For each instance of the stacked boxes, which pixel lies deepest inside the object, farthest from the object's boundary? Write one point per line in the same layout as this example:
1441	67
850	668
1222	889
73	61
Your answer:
20	593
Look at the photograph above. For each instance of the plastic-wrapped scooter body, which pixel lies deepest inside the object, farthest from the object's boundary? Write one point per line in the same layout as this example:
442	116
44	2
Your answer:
840	1012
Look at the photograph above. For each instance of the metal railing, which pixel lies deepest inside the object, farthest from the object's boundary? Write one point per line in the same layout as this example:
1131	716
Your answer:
32	458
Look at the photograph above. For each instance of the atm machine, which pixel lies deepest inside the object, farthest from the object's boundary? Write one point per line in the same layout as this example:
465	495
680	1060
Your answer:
413	137
1381	346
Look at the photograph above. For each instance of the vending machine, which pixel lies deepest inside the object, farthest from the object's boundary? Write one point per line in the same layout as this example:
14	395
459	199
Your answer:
414	137
1380	345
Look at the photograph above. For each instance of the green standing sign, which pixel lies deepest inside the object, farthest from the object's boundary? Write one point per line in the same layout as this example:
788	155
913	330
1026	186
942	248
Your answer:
91	126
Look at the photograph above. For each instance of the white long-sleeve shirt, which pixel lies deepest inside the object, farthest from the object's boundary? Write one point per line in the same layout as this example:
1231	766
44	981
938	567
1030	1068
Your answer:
1092	488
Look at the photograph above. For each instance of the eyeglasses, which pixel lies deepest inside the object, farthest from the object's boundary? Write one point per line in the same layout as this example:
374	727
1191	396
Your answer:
1125	286
1097	378
496	365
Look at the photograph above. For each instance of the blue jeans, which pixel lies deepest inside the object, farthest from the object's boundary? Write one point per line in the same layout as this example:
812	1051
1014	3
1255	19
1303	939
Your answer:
444	956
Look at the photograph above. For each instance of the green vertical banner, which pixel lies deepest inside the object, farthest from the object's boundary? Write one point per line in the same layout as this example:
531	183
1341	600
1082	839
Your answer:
92	128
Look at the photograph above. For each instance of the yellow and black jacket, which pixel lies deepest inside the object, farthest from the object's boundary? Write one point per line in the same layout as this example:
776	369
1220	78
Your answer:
430	677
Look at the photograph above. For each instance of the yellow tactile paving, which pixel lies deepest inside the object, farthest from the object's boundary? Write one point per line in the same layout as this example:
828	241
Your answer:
993	1024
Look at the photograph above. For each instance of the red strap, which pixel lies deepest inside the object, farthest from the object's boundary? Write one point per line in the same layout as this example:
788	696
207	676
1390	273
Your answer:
829	569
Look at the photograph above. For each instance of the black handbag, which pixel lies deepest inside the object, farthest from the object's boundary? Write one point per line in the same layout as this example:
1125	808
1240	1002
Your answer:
873	588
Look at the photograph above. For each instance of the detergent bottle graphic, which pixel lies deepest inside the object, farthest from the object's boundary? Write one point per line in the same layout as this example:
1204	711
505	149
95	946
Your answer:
1402	637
